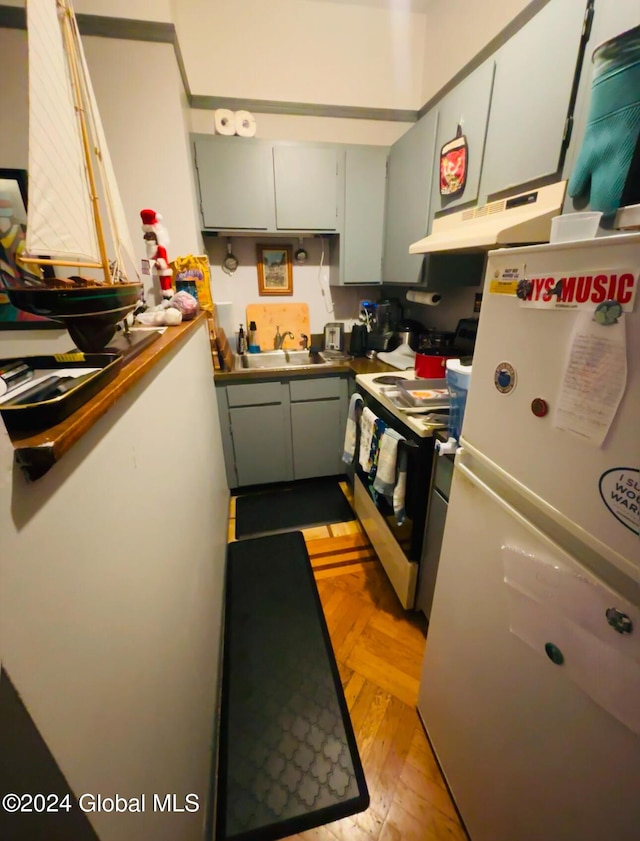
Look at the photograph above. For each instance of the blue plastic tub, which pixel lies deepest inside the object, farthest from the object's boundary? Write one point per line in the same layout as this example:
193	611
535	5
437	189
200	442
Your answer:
458	379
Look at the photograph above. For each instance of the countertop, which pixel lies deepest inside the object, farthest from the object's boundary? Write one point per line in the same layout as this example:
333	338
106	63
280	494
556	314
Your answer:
351	366
37	452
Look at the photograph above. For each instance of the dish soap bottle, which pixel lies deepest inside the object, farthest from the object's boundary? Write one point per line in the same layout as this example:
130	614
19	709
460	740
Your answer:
242	341
251	338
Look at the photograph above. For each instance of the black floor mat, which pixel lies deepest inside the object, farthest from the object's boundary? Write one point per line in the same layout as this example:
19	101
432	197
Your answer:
294	507
288	759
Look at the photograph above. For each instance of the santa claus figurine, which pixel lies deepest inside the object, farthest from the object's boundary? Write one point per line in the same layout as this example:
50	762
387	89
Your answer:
157	239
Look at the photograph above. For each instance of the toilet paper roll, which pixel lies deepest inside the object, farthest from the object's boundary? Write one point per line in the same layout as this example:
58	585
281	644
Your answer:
429	299
225	121
245	124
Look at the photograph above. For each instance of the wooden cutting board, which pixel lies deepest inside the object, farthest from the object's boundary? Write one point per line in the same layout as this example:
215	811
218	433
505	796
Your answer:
270	317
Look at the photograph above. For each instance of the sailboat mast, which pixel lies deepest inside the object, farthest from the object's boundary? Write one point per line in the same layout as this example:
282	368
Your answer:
70	35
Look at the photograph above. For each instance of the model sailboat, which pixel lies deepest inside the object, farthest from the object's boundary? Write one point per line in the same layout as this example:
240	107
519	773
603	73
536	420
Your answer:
75	216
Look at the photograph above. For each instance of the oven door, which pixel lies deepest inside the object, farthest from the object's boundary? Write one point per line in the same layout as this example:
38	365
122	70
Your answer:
398	547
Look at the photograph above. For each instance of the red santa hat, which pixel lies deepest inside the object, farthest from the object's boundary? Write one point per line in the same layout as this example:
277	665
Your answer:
152	221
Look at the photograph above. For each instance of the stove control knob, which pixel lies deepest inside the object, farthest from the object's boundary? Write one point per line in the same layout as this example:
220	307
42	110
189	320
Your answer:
539	407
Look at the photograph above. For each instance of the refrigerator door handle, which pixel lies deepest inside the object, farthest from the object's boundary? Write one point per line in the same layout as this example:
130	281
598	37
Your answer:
552	535
502	502
571	531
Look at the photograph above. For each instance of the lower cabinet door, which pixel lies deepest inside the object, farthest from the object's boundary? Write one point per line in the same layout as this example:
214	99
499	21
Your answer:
261	444
318	435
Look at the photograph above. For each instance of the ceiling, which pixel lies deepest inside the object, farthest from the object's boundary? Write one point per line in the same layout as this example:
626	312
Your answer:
392	5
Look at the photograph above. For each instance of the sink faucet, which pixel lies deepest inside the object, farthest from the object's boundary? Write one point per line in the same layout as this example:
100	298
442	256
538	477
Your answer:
279	338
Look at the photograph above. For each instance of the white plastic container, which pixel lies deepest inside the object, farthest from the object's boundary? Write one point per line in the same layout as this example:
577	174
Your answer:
574	226
458	379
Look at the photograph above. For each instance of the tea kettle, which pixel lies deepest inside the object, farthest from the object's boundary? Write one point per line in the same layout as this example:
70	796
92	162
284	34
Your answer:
358	340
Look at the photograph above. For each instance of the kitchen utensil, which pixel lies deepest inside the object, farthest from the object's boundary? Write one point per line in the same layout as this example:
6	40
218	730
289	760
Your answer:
230	262
358	340
289	317
573	226
334	336
431	363
435	339
368	313
383	317
408	333
301	254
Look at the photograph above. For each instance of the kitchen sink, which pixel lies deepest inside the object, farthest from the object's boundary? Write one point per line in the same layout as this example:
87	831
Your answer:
282	359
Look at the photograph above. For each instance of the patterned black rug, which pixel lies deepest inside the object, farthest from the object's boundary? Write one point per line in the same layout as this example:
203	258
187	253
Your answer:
288	759
297	506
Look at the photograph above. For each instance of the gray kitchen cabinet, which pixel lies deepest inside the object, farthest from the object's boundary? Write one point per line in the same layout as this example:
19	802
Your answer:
410	175
260	444
249	184
256	433
235	181
356	256
466	105
306	186
531	96
280	430
318	420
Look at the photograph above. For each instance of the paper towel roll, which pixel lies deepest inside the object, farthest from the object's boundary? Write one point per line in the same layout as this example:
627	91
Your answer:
429	299
245	124
225	121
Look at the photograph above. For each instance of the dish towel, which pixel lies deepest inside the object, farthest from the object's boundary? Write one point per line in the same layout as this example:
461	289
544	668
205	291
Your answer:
401	487
385	479
402	358
367	421
379	427
350	434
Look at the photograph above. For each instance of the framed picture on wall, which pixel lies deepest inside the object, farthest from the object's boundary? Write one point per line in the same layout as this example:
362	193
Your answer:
13	227
275	275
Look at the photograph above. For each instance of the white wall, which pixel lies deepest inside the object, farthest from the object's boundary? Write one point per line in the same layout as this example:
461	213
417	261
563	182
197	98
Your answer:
314	129
340	53
111	588
310	283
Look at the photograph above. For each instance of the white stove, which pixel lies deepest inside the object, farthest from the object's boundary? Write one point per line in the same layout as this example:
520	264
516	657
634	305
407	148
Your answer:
414	419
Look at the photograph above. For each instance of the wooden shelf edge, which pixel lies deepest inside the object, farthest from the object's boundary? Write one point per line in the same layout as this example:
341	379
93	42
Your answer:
37	453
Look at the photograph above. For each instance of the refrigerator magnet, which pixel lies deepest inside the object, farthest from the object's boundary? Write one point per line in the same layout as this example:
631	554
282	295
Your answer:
505	378
620	491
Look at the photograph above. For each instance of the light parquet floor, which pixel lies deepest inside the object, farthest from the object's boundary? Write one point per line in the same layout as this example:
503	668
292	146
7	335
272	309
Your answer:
378	646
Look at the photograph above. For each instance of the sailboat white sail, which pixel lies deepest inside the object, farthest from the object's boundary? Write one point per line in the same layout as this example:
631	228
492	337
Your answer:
123	247
64	221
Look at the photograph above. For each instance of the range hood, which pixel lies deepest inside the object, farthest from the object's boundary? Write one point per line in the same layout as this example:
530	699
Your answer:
517	220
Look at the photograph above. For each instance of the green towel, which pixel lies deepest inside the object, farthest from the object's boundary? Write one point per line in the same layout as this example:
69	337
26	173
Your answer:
613	124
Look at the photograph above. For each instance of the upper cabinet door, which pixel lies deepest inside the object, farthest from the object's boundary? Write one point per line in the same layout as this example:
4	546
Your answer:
235	180
467	106
411	167
306	179
363	226
534	76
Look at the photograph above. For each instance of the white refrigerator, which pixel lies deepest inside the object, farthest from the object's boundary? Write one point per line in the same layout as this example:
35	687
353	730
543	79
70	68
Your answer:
530	686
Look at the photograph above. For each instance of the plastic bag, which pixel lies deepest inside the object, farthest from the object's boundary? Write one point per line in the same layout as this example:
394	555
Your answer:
193	272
